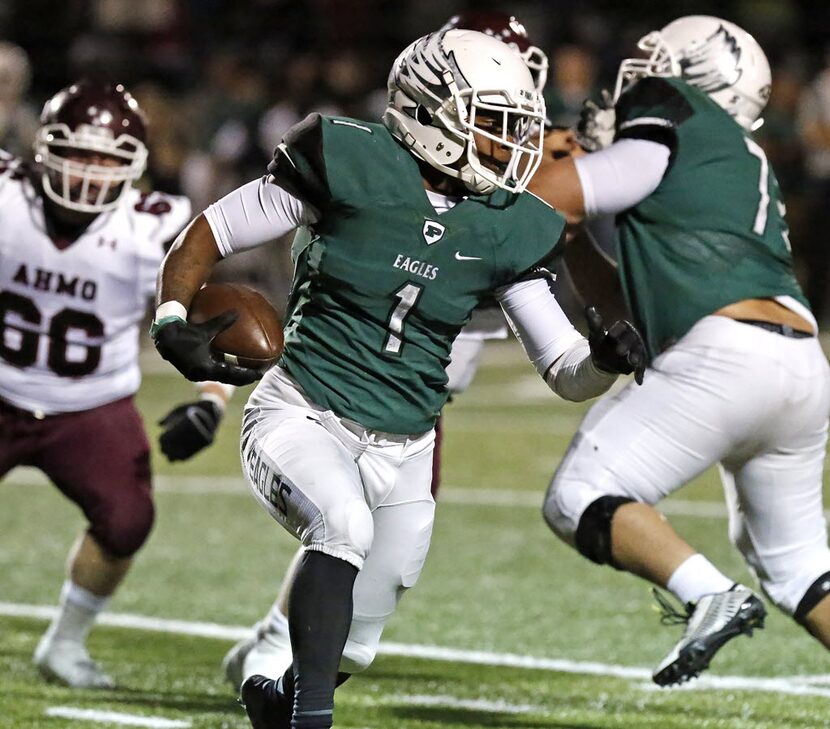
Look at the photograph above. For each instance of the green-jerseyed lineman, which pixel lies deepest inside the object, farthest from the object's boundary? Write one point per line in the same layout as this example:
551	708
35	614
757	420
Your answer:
737	376
713	232
405	227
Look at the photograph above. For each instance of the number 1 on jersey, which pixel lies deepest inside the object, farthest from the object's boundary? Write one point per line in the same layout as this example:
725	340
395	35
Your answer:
408	296
763	187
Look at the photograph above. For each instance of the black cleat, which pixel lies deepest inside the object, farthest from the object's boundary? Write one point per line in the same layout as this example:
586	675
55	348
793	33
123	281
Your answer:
266	706
710	624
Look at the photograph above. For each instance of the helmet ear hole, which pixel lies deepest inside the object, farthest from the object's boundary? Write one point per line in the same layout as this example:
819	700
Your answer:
422	115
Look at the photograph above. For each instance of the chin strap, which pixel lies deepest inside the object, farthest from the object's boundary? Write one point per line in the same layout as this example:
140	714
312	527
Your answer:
475	181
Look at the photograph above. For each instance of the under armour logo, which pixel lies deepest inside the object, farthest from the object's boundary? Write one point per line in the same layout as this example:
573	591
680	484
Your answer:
433	232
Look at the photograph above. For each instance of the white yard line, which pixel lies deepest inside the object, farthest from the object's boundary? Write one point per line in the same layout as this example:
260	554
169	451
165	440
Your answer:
454	702
498	498
115	717
795	685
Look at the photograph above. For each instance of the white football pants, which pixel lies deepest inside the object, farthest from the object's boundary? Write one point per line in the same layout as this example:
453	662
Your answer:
356	494
730	393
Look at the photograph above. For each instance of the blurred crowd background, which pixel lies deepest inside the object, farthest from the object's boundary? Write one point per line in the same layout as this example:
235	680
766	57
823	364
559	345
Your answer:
221	80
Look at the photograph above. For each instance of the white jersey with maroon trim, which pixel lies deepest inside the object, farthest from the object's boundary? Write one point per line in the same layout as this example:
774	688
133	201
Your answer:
69	314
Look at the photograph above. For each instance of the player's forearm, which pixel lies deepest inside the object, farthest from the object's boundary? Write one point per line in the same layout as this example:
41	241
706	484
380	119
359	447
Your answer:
216	392
575	377
188	265
538	321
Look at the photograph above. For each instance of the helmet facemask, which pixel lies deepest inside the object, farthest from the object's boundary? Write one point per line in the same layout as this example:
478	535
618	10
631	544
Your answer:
510	124
657	62
87	187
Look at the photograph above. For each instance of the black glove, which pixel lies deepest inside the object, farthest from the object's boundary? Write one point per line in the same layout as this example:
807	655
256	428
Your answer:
187	347
618	349
189	428
597	121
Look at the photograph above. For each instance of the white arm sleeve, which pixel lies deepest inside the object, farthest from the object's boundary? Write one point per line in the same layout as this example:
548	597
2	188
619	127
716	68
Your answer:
575	377
559	353
538	321
254	214
618	177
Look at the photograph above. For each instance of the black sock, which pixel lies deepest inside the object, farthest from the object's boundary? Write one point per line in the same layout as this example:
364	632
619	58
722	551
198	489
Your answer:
319	617
282	689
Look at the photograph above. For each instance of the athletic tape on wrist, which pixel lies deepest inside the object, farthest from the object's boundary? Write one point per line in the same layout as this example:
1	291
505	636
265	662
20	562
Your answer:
170	310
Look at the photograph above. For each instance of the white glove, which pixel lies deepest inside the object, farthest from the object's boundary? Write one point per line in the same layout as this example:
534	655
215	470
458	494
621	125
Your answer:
597	122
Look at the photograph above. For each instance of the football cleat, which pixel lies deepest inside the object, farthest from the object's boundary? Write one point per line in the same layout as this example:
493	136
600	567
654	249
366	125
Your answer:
710	623
267	652
265	705
67	662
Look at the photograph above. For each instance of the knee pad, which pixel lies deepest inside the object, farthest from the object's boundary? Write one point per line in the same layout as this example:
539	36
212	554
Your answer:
593	534
814	595
122	528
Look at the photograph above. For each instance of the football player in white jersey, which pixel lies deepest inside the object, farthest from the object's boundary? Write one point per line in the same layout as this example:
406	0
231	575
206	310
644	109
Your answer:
79	252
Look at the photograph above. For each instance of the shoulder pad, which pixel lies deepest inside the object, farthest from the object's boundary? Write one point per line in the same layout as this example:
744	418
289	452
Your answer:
169	213
299	165
654	97
12	167
652	109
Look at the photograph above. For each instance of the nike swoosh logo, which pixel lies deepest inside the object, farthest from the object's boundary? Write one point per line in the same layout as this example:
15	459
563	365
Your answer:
459	257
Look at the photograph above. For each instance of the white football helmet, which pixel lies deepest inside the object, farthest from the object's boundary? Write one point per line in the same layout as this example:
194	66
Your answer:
507	29
451	85
716	56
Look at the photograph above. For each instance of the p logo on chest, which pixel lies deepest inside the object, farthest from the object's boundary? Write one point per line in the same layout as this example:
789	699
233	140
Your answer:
432	232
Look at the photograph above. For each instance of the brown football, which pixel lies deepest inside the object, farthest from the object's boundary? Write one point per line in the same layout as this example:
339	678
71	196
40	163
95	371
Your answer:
255	338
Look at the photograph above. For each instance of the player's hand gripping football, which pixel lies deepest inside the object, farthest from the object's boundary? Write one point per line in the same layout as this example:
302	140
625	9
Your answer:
596	127
618	349
188	429
187	347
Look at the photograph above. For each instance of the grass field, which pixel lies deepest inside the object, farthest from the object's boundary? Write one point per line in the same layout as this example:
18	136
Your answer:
507	627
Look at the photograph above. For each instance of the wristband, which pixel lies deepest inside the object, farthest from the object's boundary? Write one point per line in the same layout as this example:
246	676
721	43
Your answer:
215	397
167	312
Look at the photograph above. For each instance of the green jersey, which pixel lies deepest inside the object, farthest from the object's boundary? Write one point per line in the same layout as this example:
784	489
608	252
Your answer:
383	284
713	232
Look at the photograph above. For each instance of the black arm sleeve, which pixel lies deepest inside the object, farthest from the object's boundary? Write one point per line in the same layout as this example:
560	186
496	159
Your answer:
652	110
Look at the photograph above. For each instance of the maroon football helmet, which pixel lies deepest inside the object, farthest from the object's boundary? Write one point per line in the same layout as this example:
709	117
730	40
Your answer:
91	144
508	30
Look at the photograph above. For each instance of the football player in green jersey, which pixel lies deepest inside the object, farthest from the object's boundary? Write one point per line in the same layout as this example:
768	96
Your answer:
405	227
267	650
736	375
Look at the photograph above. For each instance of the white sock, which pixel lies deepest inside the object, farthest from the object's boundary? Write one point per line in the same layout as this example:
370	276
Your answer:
78	610
697	577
